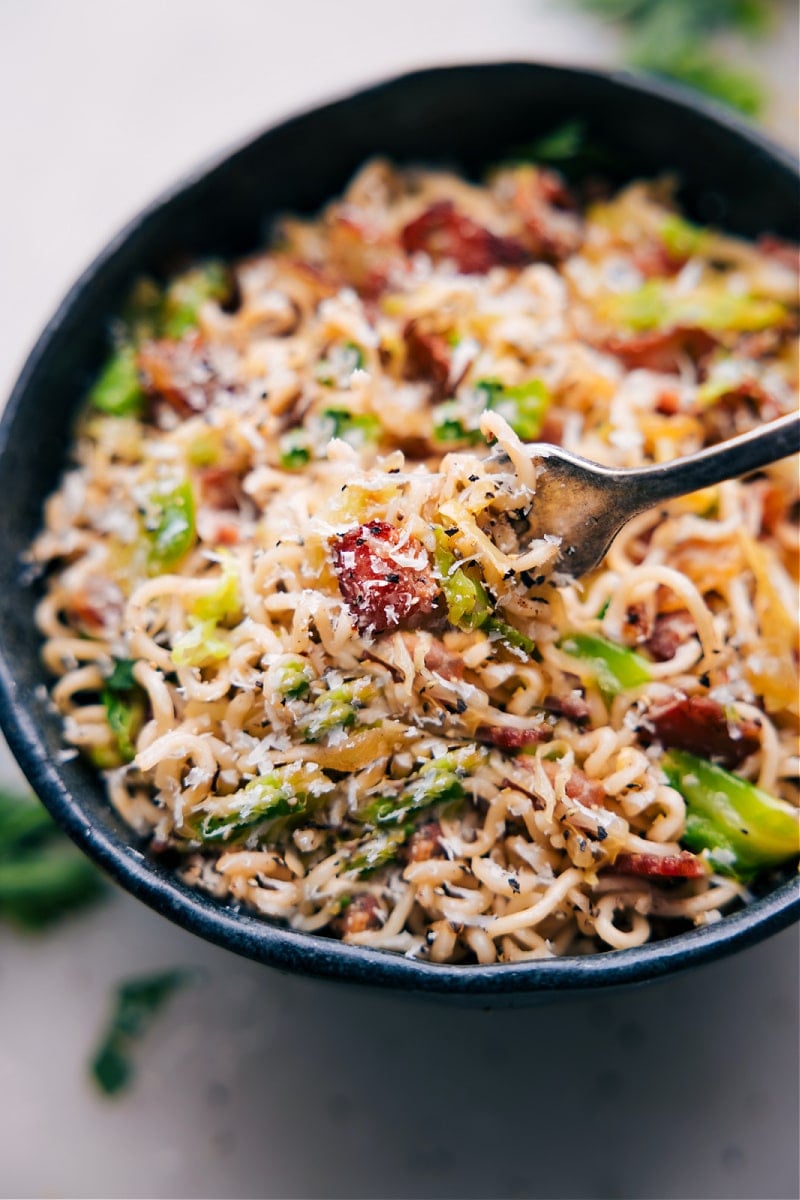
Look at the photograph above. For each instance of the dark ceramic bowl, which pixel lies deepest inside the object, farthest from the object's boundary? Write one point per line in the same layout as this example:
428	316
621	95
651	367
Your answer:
469	117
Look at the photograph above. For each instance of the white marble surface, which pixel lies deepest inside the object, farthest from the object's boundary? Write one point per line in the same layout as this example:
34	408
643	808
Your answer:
256	1084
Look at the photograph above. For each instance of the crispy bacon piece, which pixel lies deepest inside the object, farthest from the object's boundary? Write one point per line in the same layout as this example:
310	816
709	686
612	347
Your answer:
553	238
360	915
712	572
428	358
638	623
513	739
220	488
571	706
699	725
736	411
774	503
214	528
546	208
441	661
228	535
668	404
382	590
177	373
585	790
761	344
425	843
552	430
220	494
441	231
786	253
438	658
316	283
750	389
669	632
552	188
413	446
579	786
96	607
359	254
374	285
655	261
515	785
661	349
661	866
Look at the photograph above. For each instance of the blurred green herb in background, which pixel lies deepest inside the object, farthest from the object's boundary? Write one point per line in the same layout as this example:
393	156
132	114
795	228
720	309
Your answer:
672	38
42	875
137	1003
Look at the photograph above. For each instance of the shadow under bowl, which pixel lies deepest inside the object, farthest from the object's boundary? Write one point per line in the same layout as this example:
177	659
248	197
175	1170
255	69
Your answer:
467	117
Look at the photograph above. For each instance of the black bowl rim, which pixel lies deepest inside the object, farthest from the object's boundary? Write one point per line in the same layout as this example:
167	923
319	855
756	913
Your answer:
275	944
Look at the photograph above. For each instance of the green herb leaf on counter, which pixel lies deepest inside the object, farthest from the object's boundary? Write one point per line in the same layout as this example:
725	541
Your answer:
43	877
706	72
137	1003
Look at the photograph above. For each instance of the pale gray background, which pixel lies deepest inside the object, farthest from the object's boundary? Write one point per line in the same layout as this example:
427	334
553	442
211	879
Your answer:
254	1084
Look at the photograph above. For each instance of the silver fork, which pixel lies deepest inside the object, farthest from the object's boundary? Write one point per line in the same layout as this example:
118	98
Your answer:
586	504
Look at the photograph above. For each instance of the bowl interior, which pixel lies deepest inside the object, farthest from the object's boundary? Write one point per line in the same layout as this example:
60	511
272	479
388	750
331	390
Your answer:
465	117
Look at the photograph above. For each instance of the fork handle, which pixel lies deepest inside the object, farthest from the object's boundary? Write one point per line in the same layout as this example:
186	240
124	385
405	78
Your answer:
738	456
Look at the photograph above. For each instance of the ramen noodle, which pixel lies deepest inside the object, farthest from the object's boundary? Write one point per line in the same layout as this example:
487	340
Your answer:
296	619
